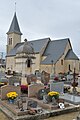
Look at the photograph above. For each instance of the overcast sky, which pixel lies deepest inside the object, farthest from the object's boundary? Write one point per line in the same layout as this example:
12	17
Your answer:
37	19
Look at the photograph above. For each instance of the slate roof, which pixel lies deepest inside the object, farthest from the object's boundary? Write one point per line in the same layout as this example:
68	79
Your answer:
36	44
71	55
55	50
14	26
13	51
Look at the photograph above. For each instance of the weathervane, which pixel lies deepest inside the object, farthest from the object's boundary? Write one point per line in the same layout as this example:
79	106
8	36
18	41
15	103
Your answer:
15	6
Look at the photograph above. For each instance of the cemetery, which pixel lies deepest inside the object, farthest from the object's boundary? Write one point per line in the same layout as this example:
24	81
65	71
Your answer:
25	96
38	99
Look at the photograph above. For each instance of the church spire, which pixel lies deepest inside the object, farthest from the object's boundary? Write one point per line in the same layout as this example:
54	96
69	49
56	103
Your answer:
14	28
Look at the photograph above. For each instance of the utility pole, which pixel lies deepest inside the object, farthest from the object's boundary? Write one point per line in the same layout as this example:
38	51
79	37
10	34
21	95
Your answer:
1	60
1	57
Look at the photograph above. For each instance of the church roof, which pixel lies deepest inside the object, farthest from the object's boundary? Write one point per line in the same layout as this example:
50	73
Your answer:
14	27
55	50
36	44
71	55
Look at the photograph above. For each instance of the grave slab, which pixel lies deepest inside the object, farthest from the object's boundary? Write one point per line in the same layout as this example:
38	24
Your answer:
71	98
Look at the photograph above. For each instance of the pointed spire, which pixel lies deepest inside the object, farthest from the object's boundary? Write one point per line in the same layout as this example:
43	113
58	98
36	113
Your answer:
14	28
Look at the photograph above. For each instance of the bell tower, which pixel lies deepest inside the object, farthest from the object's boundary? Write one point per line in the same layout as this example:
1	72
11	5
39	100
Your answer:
14	34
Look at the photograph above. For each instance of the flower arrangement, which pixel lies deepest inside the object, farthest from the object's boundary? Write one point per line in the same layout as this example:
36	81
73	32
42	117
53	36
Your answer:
12	95
24	88
53	94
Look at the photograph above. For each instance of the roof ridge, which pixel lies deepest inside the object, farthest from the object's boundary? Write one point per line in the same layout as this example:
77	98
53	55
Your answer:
40	39
60	39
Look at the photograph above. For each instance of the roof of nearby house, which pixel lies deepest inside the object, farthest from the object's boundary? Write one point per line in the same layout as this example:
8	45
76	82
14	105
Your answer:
55	50
14	27
36	44
71	55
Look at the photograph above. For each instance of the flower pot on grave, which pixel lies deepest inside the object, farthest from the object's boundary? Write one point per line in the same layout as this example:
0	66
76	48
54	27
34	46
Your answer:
53	94
56	97
11	101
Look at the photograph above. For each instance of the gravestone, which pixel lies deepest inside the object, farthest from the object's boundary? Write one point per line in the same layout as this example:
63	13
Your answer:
45	77
19	103
34	88
57	86
14	81
41	93
54	101
9	88
52	76
37	73
70	76
31	78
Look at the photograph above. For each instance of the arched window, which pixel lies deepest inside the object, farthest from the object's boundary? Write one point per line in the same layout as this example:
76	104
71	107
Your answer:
61	62
10	41
69	68
28	63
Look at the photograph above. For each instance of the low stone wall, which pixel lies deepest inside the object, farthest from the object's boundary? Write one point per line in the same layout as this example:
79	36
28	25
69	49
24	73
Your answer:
9	88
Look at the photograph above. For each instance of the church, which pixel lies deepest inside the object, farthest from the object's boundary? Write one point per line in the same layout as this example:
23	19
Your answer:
44	54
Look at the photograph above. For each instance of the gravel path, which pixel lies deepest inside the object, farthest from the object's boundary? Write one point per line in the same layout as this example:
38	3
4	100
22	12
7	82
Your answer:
2	116
69	116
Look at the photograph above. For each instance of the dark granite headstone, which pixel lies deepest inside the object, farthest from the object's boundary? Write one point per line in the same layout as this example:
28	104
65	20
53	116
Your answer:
41	93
